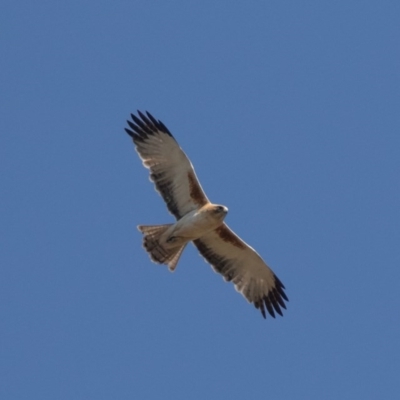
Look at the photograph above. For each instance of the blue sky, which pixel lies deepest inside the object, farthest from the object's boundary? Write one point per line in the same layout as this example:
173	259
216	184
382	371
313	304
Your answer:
289	112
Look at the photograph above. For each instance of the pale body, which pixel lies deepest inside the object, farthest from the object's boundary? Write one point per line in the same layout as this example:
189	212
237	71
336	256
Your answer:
194	225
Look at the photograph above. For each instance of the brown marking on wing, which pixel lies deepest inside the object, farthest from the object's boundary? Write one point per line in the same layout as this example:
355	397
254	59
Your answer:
196	193
227	236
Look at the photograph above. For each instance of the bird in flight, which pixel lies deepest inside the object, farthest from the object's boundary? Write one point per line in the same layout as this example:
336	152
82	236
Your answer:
198	220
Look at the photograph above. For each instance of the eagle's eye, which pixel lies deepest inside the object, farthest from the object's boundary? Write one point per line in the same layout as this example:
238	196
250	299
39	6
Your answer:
219	209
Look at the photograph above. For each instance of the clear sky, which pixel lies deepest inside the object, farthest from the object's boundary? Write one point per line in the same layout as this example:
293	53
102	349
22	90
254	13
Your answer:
290	113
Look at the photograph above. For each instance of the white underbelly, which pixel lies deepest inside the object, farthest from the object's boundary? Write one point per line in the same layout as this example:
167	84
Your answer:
190	227
194	225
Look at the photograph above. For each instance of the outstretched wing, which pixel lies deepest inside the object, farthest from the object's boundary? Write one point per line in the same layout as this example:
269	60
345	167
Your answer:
170	169
236	261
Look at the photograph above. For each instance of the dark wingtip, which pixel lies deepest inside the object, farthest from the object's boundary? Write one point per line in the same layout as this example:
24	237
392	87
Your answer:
260	306
152	119
273	301
269	308
280	288
143	125
129	132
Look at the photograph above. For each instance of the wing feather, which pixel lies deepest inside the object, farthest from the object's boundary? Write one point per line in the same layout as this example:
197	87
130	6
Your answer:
170	169
236	261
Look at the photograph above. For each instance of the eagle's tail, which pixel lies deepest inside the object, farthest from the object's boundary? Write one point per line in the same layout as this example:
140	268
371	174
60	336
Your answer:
158	253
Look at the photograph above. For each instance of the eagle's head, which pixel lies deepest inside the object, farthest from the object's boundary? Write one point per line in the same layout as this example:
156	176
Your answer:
214	214
220	210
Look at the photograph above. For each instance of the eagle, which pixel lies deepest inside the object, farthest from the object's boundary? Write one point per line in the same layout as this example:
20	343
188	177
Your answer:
198	220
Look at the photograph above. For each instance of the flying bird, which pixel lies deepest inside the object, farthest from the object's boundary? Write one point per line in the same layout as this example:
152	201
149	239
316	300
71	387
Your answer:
198	220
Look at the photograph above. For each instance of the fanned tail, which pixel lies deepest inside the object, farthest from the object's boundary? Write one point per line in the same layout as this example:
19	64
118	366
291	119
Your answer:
158	253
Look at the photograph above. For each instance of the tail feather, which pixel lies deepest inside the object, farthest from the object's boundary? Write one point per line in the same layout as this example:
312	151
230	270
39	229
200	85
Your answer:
158	253
175	258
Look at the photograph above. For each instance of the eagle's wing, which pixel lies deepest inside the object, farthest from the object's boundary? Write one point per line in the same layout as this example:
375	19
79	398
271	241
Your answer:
170	169
236	261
